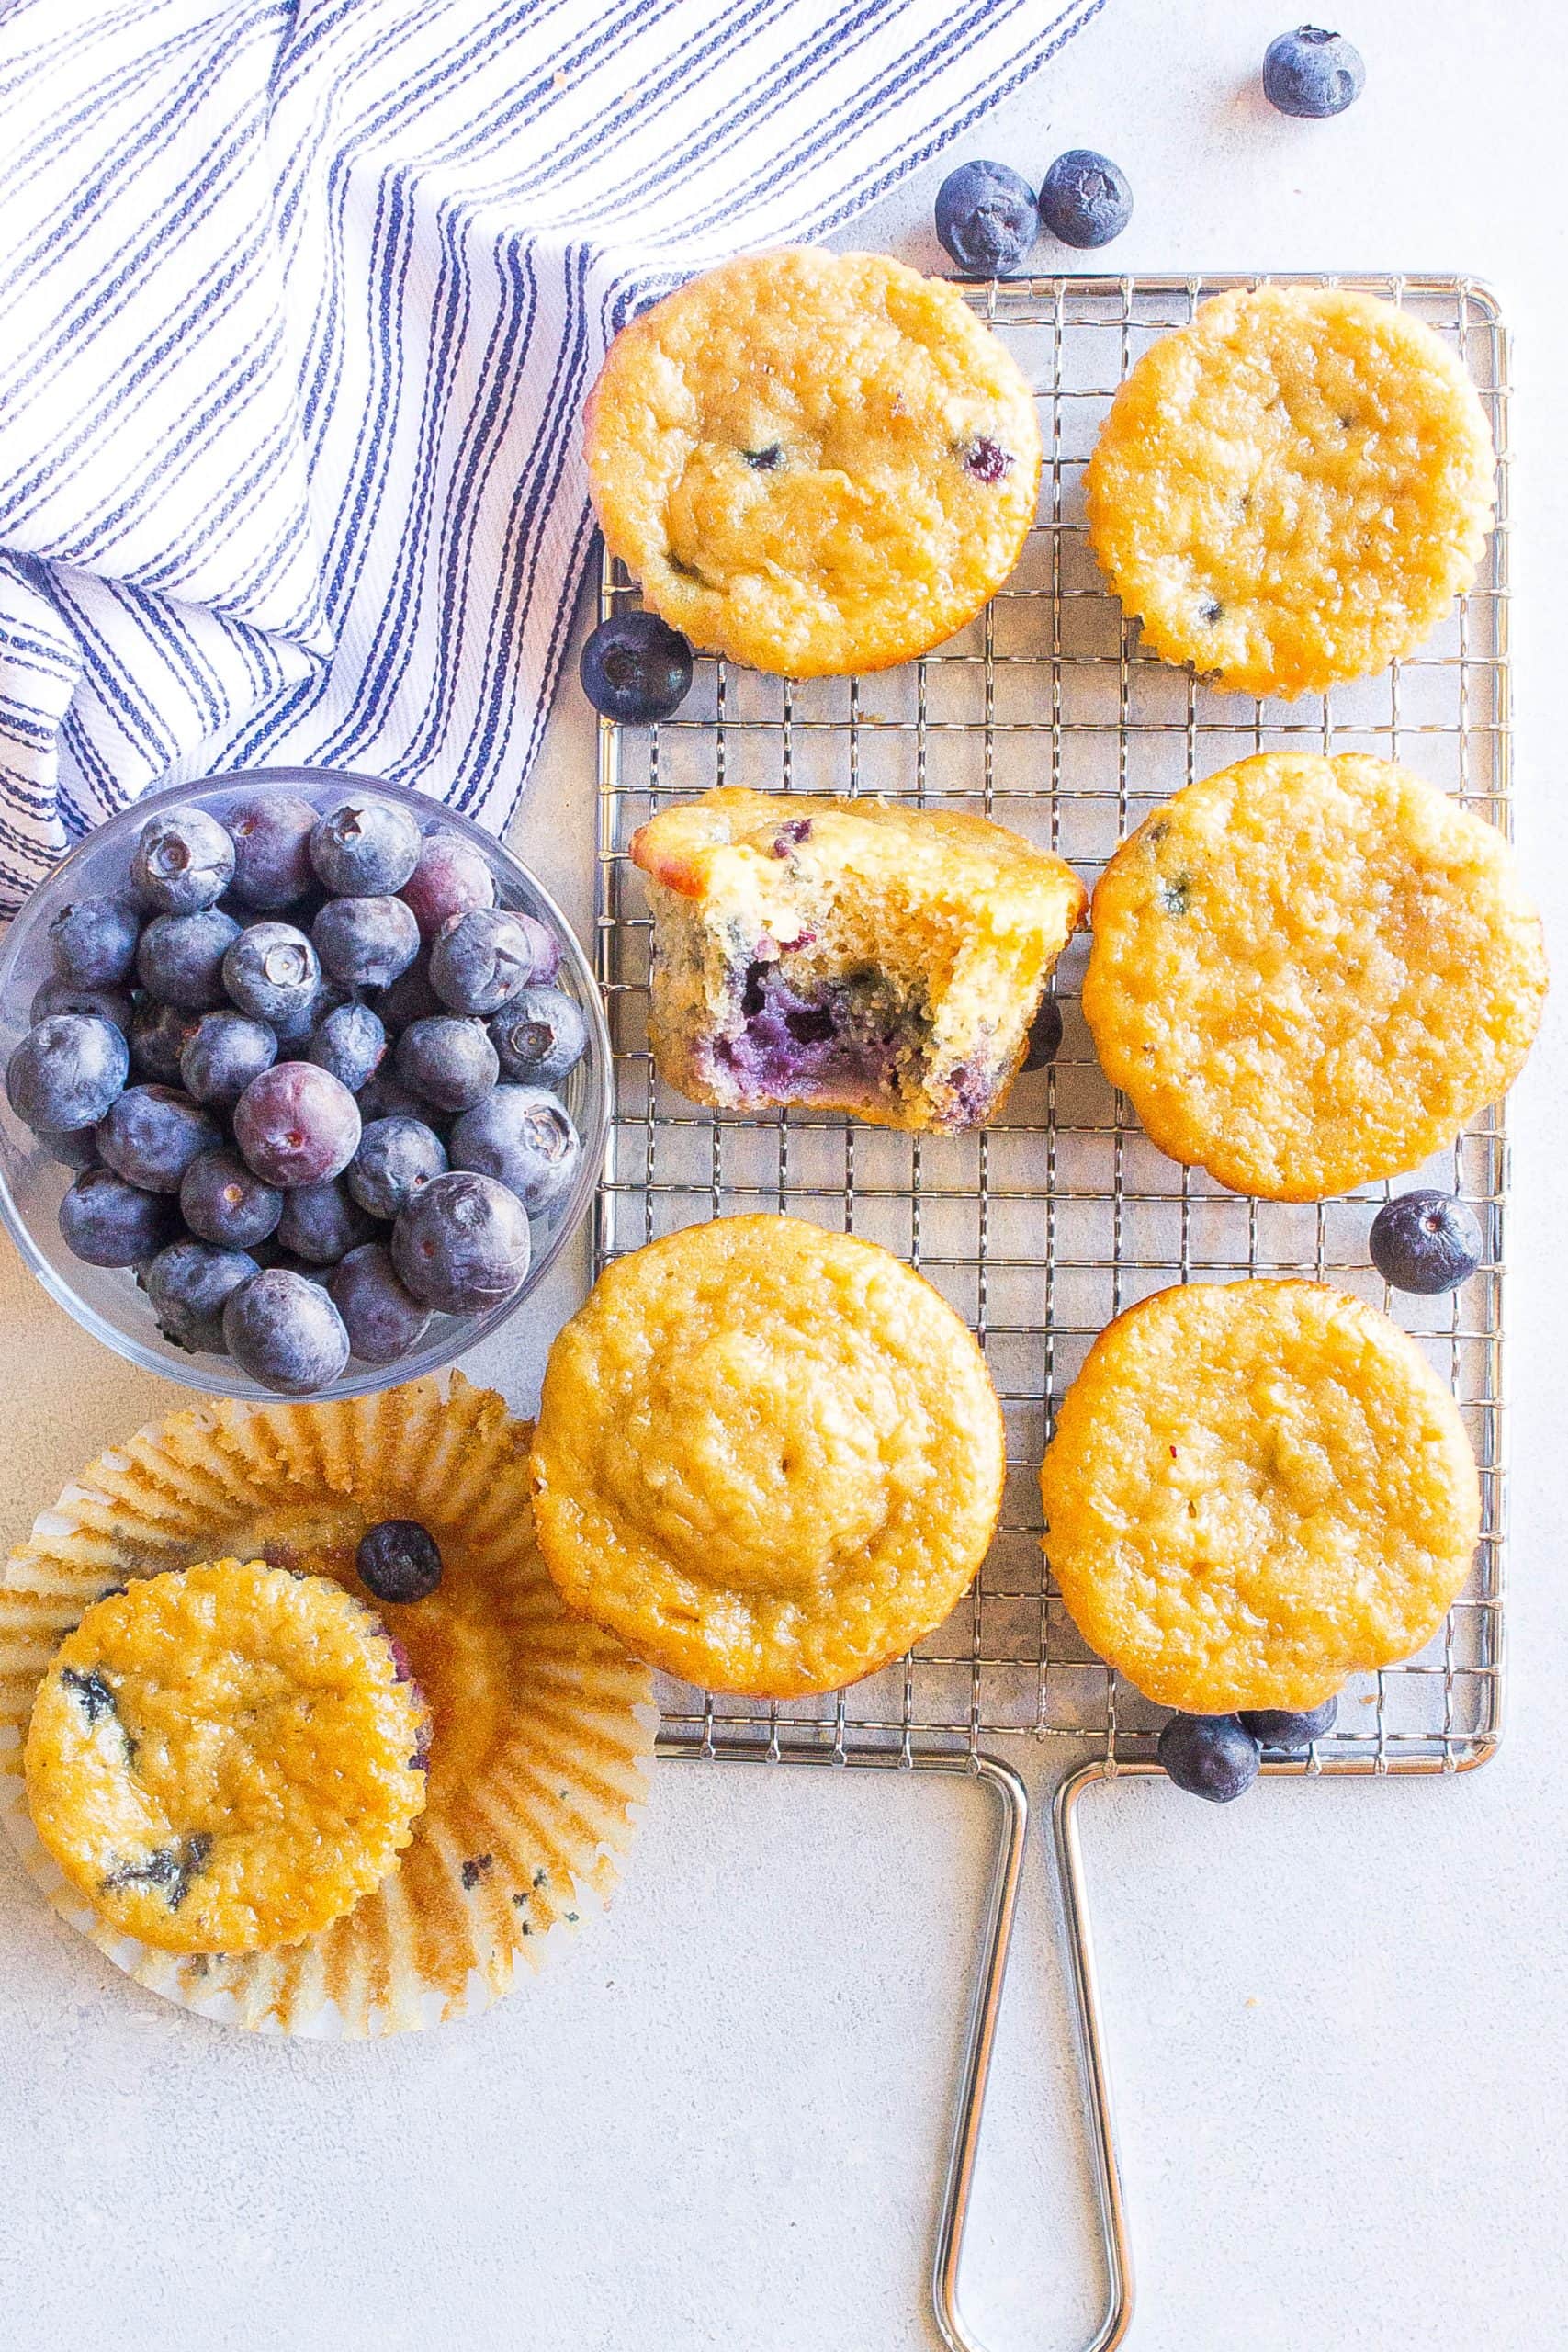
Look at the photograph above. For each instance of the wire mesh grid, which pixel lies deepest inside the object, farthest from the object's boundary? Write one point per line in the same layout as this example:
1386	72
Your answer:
1046	713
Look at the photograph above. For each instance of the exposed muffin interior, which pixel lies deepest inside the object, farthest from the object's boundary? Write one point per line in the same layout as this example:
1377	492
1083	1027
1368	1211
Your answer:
848	954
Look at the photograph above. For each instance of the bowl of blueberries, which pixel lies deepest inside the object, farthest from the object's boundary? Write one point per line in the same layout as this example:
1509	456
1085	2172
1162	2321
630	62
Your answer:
307	1083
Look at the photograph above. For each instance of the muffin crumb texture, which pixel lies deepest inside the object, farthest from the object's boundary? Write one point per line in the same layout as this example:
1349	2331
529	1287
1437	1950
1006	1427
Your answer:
848	955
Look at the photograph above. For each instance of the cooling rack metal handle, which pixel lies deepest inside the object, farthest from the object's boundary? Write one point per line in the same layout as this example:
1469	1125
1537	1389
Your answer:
1012	1797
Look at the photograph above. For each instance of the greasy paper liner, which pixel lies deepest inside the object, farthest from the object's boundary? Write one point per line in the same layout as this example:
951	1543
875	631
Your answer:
542	1723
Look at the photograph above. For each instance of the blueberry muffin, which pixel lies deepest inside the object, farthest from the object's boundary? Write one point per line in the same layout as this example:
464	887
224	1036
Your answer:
538	1724
814	462
769	1457
1308	973
226	1758
1254	1490
848	955
1292	489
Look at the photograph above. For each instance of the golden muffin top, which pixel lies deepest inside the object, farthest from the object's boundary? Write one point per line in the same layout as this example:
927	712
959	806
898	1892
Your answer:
1292	489
1254	1490
226	1758
814	462
1308	973
769	1457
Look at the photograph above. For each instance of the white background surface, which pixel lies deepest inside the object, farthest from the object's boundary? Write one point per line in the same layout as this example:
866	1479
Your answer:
1337	2016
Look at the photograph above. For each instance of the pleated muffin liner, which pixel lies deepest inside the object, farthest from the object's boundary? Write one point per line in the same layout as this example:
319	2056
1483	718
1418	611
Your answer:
543	1725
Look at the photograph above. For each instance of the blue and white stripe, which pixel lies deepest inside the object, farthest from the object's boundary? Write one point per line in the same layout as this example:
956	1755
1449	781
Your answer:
303	302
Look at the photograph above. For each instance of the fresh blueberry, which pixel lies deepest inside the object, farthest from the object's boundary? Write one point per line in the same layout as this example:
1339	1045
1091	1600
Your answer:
411	997
151	1134
189	1283
223	1054
451	879
540	1036
399	1560
271	833
382	1319
1289	1734
351	1043
366	943
296	1026
66	1072
181	960
283	1329
1044	1036
365	849
386	1097
297	1124
449	1061
320	1224
462	1244
184	861
159	1036
1210	1756
1085	200
106	1004
986	217
107	1222
481	959
984	459
397	1158
1311	73
93	942
521	1136
545	949
1424	1241
223	1201
272	973
635	668
78	1151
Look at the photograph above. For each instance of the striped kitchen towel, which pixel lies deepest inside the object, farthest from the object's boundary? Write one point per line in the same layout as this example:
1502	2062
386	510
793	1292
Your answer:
302	302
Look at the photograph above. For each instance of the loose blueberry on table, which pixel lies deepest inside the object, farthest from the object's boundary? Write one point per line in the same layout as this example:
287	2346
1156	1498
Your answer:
1286	1733
399	1560
637	669
1424	1241
1210	1756
1085	198
252	1141
1311	73
986	217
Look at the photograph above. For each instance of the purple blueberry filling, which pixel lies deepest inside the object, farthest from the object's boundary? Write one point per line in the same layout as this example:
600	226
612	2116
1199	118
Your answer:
986	460
92	1693
846	1039
171	1868
790	836
764	461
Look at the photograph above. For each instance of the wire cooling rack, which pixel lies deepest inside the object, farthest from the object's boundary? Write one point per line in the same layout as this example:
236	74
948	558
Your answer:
1048	714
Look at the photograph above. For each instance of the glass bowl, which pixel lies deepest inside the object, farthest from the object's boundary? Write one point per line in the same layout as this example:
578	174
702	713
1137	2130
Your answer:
106	1300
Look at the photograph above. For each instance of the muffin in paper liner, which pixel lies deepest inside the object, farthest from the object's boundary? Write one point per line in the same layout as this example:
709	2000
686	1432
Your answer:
542	1723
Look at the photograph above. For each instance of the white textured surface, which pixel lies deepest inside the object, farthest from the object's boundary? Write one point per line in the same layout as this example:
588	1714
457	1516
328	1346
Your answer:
1338	2023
